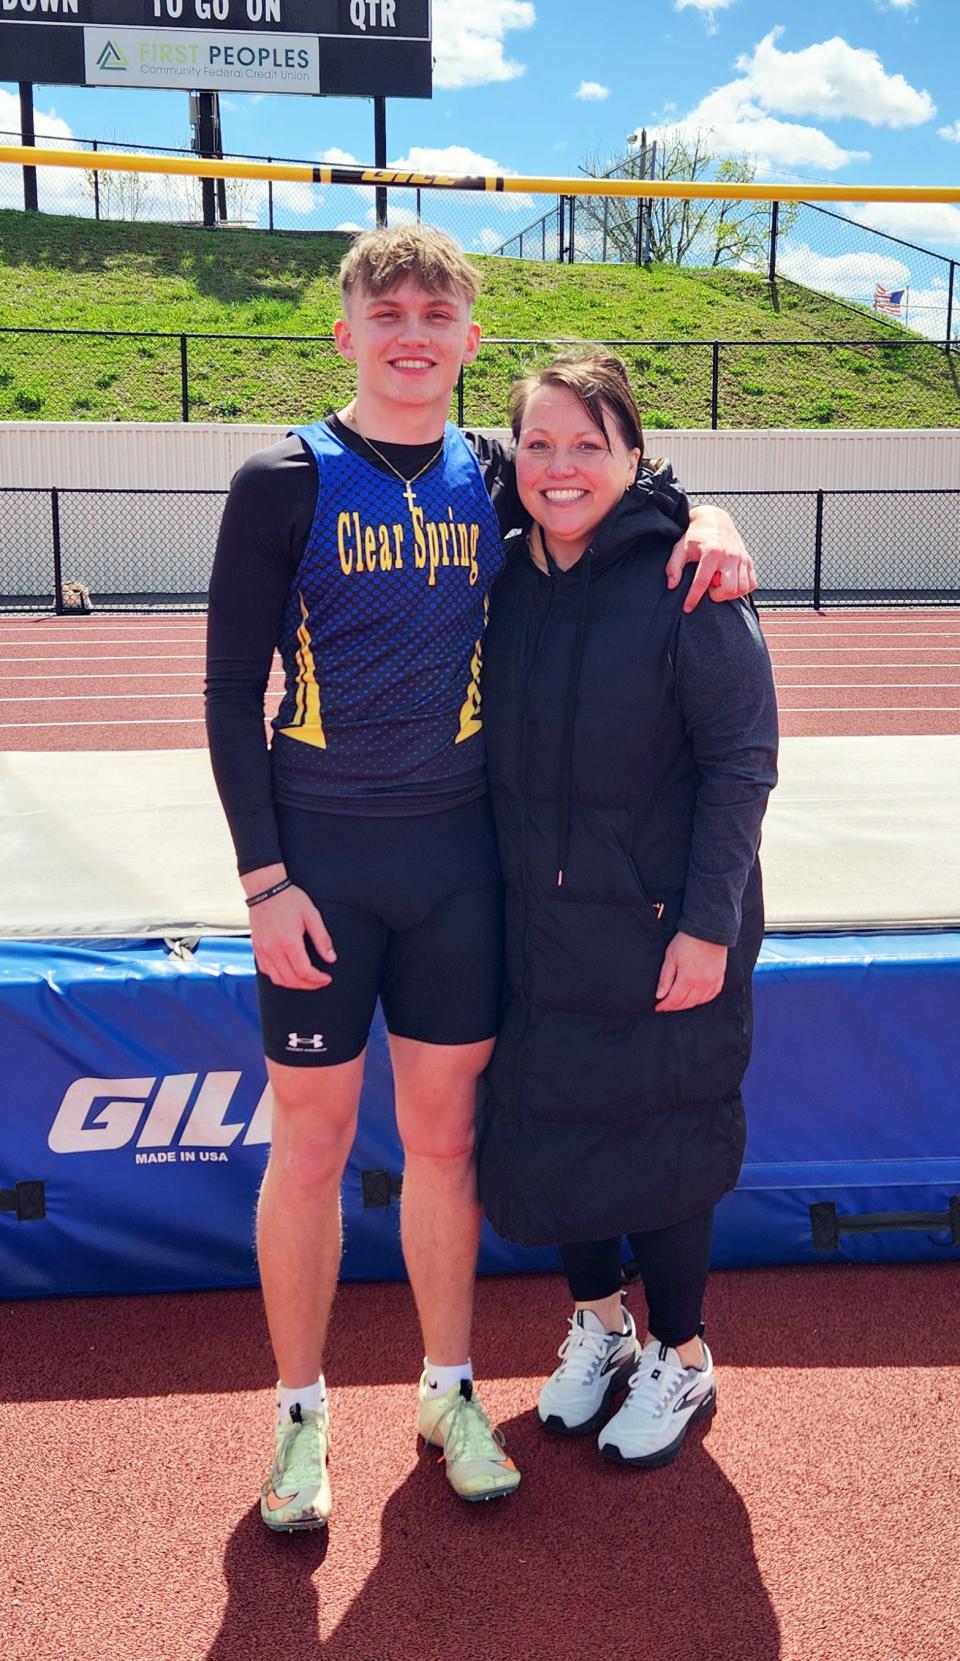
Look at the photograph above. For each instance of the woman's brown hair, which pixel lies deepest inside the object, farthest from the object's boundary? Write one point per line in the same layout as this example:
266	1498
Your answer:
595	378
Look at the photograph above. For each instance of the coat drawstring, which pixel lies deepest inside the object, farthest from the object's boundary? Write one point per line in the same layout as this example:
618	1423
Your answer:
565	785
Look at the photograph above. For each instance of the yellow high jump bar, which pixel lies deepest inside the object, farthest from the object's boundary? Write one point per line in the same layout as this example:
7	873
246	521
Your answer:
200	167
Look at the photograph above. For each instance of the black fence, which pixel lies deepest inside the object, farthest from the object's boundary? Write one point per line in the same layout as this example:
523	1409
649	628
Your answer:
153	549
104	375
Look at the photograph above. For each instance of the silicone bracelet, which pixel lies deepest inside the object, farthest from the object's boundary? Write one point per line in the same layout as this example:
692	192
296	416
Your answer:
268	893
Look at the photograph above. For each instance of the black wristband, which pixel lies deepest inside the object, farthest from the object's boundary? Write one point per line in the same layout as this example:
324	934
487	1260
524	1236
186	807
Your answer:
268	893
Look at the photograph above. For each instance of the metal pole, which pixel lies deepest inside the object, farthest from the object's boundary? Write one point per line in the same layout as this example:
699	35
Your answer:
818	553
715	388
28	137
96	188
270	200
606	228
648	214
184	386
774	231
560	246
572	240
206	145
380	154
949	332
419	193
57	565
543	238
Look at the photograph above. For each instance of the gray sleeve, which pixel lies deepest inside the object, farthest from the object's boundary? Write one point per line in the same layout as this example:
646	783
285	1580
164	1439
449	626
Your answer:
724	686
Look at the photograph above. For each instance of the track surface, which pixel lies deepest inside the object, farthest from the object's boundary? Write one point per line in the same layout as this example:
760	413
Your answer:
134	682
815	1519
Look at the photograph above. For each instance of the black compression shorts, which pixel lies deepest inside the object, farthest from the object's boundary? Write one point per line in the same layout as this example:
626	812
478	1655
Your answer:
414	907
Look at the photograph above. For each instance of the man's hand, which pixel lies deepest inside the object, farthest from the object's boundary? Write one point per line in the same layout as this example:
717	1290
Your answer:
691	973
279	929
723	564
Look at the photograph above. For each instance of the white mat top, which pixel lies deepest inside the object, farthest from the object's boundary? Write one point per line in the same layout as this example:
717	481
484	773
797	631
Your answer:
861	833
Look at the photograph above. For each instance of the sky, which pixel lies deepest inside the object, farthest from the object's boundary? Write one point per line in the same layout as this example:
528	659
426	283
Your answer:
863	93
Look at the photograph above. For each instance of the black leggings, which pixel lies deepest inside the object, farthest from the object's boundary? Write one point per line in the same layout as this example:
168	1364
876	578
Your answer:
673	1264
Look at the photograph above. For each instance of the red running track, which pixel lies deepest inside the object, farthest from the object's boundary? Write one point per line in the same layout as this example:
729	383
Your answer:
121	682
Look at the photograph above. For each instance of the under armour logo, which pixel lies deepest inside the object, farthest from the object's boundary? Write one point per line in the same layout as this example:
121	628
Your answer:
314	1042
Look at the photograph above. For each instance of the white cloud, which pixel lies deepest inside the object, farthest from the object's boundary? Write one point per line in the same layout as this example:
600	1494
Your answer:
952	132
489	239
468	40
832	79
592	92
335	157
738	125
901	5
923	222
349	225
706	7
851	276
457	161
60	189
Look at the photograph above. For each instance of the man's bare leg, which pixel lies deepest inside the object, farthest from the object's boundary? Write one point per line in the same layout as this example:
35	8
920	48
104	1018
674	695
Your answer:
298	1218
435	1088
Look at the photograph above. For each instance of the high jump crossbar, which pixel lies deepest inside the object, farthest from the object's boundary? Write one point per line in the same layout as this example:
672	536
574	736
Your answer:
322	173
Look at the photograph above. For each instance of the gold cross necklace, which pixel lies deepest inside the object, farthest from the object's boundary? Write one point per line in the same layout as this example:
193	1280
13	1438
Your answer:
351	420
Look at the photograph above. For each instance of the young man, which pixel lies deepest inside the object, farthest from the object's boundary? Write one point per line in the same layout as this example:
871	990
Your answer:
364	547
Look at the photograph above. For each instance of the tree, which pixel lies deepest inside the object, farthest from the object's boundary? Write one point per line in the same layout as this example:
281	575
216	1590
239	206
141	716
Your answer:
676	231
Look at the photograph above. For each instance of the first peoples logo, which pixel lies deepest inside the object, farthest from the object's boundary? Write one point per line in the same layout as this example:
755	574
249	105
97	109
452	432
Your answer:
168	1120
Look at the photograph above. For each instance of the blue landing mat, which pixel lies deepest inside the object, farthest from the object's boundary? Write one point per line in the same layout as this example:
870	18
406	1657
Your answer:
135	1129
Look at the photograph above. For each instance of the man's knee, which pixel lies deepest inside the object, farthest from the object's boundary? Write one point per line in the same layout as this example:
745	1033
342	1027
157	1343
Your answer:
314	1124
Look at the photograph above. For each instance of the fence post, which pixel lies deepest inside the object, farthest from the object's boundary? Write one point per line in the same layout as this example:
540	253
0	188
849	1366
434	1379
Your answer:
57	565
543	238
184	385
715	388
460	397
606	227
418	204
774	232
270	199
572	238
561	242
818	553
520	255
638	260
96	188
28	140
949	333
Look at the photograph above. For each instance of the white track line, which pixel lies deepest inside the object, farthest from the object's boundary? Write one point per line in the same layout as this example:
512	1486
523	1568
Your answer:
150	675
111	657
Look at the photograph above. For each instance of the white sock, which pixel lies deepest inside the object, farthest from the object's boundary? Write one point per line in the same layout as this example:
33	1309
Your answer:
442	1379
311	1398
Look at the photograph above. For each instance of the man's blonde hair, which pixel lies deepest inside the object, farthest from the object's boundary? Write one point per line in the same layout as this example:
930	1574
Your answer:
380	260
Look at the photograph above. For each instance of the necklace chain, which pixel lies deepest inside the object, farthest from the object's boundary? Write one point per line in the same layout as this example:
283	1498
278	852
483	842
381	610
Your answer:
409	492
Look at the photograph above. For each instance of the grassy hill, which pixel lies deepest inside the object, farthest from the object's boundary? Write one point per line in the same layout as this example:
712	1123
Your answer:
59	273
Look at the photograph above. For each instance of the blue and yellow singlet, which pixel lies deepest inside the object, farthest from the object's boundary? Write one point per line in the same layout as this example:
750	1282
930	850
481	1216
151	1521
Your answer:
381	633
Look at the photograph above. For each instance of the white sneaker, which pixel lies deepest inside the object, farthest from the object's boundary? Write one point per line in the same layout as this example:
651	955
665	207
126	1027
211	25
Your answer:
665	1399
594	1365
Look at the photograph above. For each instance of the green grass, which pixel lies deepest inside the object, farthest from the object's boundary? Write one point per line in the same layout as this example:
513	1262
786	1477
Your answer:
60	273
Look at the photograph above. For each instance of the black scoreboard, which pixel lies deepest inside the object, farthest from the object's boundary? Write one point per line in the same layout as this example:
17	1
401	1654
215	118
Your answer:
335	48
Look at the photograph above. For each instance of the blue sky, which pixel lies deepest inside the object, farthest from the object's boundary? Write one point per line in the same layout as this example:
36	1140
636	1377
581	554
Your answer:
865	93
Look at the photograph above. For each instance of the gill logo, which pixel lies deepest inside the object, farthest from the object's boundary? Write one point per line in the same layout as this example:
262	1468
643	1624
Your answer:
101	1113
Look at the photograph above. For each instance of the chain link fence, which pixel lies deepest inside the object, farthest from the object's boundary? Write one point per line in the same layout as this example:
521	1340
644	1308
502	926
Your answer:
126	550
87	375
803	243
153	549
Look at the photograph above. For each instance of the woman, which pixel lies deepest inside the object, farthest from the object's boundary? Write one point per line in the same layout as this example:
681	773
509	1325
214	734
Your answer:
631	748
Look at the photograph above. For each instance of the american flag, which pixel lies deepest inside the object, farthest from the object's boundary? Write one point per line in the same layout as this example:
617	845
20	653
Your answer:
888	301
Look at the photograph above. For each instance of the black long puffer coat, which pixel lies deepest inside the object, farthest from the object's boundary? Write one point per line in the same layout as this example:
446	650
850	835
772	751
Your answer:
598	1116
